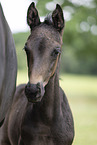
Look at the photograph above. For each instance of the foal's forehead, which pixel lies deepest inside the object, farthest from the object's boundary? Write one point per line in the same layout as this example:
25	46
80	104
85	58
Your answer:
45	32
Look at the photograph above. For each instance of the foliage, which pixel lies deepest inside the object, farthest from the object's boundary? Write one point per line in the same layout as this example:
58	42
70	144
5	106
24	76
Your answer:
80	42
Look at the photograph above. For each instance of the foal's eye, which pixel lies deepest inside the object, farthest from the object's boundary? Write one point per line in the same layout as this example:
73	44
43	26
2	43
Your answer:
27	53
56	52
25	48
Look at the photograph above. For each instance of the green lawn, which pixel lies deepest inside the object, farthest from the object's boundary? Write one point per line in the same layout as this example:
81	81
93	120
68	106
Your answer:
82	95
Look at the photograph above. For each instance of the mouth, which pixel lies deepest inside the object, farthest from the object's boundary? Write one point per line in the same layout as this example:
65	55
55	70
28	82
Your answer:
34	92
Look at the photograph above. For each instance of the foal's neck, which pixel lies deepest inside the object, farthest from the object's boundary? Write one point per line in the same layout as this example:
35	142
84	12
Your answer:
50	104
49	109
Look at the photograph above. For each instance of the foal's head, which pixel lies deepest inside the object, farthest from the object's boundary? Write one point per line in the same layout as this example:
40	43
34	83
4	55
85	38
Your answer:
43	49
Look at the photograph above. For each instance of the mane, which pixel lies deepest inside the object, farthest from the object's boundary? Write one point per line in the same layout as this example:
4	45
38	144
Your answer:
48	19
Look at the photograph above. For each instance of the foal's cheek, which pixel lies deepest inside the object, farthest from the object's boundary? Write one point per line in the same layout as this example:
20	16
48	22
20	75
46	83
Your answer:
49	72
30	67
53	67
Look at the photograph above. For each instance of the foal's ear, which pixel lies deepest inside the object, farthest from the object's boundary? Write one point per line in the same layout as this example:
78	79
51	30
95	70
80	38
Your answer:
32	16
58	18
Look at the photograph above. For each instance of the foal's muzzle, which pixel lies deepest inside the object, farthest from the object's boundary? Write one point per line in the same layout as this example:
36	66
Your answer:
34	92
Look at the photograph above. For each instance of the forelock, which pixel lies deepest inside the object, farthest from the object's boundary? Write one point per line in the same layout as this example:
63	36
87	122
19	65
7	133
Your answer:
48	20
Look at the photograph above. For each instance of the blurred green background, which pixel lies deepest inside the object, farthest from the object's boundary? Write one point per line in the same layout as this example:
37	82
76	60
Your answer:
78	72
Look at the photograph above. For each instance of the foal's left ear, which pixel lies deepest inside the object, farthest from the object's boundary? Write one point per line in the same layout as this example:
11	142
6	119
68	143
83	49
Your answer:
58	18
32	16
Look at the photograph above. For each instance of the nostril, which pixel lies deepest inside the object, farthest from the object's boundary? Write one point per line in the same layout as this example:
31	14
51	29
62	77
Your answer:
28	85
38	87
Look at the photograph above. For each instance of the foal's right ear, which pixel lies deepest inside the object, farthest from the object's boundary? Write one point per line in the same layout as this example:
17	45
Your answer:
32	16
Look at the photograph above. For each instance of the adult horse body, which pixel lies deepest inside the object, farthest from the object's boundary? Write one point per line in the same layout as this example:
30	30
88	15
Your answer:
8	66
40	113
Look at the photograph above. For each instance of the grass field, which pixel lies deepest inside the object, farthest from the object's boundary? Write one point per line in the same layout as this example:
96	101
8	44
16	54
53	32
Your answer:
82	95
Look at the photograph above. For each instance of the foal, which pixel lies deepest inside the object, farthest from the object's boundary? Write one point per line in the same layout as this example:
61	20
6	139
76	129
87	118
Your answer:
40	114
